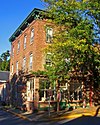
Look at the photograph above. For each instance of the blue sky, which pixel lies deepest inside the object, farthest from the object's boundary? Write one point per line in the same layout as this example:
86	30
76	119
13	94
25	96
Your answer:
12	14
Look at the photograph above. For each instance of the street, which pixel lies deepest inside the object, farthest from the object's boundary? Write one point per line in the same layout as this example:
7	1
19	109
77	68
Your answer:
9	119
84	120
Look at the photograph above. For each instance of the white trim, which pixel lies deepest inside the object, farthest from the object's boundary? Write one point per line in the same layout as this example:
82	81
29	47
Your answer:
3	81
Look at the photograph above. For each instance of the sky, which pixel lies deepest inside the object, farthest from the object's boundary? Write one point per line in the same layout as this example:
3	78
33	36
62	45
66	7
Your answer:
12	14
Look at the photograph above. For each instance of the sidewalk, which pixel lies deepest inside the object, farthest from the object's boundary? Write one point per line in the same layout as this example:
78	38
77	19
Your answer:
54	116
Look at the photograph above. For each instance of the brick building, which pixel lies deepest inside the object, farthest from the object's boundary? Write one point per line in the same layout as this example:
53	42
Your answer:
27	44
27	54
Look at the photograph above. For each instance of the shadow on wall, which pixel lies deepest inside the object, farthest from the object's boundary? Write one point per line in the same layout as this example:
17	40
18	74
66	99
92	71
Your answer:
18	90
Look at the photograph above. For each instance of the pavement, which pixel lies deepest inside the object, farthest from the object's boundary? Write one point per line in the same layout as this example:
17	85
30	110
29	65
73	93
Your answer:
53	115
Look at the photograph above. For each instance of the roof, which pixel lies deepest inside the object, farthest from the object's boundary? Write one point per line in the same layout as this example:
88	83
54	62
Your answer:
4	76
32	16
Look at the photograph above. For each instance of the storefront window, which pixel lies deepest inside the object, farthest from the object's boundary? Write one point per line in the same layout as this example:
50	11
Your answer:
45	90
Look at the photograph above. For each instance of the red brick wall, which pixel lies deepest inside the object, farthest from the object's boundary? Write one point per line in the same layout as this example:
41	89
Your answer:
36	47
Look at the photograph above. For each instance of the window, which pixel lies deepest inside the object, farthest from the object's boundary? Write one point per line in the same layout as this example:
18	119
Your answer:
25	37
18	47
17	67
48	59
12	51
30	90
31	61
12	68
32	36
49	35
46	91
31	84
24	64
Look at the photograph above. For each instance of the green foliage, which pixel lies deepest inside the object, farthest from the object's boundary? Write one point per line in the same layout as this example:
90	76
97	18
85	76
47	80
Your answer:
39	73
5	61
73	47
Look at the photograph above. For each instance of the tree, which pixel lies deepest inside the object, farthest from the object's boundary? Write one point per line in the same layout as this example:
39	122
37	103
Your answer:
74	52
5	61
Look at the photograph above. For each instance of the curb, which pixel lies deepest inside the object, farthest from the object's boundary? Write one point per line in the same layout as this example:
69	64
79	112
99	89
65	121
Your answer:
19	115
74	116
25	118
70	116
16	114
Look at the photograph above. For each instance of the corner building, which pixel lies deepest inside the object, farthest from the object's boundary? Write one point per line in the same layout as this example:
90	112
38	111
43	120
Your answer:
31	91
27	54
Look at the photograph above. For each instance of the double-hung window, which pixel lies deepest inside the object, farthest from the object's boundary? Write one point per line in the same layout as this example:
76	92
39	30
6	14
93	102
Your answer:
49	35
32	36
24	63
25	39
18	47
12	68
31	61
17	67
48	59
12	51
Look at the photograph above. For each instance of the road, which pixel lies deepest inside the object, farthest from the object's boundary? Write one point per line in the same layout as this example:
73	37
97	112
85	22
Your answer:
84	120
9	119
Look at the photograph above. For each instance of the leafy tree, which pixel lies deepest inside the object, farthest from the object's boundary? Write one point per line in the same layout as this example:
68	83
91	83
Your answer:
5	61
75	49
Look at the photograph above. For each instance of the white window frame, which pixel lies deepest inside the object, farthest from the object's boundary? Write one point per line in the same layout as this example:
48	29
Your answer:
24	63
32	35
18	47
12	52
12	68
48	62
25	40
31	61
49	34
17	63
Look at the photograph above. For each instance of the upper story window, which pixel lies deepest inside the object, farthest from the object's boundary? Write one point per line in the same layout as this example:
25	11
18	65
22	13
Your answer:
48	59
24	64
32	36
17	67
49	34
18	46
12	51
25	39
12	68
31	61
